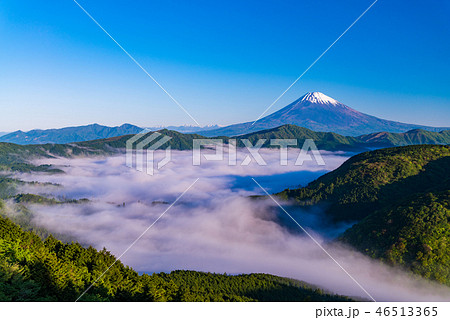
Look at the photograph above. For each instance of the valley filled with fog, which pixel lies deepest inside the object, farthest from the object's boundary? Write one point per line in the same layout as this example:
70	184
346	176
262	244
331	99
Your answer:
214	226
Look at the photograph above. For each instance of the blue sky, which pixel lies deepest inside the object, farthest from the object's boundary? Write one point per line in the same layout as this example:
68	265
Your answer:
223	61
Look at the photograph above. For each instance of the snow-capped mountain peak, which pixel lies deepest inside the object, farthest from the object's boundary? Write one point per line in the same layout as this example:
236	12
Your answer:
318	97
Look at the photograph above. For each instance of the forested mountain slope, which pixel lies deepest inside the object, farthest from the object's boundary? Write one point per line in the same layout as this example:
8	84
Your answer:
36	270
373	179
400	200
69	134
413	233
412	137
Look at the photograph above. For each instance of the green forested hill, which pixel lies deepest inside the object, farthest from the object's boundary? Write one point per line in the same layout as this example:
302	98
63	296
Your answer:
36	270
178	141
413	232
371	180
400	198
324	140
17	157
412	137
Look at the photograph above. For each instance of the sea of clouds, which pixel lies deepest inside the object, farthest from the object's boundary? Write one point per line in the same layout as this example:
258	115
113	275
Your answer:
215	226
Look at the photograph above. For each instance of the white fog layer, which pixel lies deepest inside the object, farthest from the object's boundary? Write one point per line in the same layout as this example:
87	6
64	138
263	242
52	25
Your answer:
214	227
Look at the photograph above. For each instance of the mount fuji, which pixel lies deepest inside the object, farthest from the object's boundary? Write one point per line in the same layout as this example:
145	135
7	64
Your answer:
319	112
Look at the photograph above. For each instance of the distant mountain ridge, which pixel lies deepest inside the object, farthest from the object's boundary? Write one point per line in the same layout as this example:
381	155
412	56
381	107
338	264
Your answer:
69	134
416	136
185	128
373	140
116	137
316	111
87	133
324	140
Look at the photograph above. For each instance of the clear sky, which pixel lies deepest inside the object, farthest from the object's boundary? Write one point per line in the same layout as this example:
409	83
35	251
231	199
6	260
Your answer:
224	61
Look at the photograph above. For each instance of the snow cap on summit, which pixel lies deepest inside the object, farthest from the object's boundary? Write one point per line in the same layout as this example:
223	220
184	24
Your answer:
318	97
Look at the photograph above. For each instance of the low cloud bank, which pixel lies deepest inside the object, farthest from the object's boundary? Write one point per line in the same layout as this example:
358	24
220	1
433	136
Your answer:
215	227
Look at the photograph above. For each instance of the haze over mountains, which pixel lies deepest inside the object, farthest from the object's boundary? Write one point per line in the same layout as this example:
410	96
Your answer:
69	134
314	111
186	128
86	133
318	112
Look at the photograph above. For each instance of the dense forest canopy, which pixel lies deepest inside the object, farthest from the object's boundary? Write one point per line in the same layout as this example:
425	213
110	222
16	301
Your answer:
400	199
35	270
